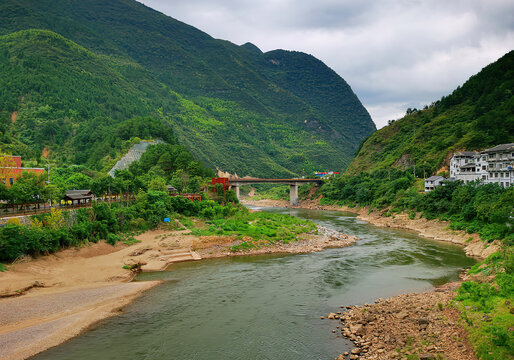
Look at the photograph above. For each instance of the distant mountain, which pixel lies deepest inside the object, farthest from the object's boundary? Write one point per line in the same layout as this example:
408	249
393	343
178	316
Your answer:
81	69
478	115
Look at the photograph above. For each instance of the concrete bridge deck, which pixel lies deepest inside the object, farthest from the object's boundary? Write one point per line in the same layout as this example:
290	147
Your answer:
293	183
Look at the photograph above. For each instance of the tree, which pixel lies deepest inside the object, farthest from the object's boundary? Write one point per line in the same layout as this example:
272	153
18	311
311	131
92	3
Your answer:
157	184
7	164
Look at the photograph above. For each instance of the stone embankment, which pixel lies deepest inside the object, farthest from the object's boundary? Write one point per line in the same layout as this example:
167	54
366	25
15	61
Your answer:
409	326
134	154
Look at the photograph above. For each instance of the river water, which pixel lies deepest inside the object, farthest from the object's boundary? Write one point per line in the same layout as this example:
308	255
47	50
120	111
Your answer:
267	307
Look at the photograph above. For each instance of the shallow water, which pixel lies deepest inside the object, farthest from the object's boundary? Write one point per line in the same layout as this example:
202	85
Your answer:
267	307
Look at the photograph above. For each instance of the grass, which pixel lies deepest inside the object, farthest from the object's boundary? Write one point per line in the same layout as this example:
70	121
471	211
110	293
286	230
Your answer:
485	305
3	268
256	229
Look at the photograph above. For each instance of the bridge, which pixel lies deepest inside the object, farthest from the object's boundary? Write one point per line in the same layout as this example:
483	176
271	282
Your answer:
293	185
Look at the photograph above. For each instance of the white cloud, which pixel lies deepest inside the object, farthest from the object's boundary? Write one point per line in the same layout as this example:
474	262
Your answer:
393	53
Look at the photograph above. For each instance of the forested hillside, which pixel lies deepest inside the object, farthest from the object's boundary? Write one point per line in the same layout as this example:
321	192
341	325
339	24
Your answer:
75	72
478	115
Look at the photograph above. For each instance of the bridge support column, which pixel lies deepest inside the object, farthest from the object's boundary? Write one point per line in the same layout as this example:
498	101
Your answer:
236	189
293	194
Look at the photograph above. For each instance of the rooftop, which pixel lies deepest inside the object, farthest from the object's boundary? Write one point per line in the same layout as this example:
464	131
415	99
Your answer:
465	153
501	147
434	178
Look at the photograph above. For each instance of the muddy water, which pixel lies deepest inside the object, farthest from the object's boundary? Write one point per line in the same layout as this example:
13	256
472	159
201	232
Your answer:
267	307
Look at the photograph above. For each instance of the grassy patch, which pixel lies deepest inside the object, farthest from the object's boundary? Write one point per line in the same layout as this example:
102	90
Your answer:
486	308
256	229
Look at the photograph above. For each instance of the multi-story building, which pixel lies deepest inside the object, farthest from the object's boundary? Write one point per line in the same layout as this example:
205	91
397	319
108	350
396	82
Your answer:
494	165
500	166
459	163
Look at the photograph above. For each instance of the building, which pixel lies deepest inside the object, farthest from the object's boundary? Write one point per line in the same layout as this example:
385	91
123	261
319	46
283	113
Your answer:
461	159
78	196
432	182
326	174
494	165
11	169
500	168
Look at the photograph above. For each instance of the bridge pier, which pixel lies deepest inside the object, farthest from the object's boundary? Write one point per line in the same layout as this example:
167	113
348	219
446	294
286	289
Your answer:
235	184
293	194
236	189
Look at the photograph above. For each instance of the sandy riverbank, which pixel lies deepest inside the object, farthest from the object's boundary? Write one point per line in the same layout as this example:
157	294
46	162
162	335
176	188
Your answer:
48	300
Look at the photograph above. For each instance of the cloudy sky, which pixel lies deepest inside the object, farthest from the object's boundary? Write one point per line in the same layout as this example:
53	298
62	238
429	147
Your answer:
395	54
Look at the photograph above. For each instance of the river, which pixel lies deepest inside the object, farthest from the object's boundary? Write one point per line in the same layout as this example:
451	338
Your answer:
267	307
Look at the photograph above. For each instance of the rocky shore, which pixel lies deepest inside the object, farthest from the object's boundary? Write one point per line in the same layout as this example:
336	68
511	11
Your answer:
410	326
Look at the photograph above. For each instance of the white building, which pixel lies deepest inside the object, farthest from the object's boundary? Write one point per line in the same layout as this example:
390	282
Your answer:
432	182
463	165
494	165
500	164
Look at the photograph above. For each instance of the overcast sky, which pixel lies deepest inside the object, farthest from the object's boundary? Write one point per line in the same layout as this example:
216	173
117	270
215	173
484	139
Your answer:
395	54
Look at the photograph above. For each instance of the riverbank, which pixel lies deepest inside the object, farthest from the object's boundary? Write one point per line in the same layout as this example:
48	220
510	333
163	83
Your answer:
417	326
48	300
431	229
414	325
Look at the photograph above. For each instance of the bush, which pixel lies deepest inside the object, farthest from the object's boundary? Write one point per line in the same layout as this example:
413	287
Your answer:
111	239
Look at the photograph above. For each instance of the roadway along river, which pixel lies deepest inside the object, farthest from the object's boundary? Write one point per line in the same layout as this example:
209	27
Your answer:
267	307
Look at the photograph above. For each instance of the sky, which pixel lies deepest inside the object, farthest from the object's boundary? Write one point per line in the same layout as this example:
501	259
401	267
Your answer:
395	54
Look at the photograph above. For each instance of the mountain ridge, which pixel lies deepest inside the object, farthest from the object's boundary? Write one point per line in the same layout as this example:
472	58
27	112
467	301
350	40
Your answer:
145	45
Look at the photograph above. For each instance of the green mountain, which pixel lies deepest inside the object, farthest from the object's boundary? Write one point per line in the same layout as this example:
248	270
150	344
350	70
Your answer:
76	72
477	115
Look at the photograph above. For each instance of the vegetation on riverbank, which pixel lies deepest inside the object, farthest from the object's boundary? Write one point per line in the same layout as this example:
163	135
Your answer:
486	308
256	229
485	209
115	222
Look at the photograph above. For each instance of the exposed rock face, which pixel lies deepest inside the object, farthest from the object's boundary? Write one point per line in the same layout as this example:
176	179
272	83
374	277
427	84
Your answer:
421	326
